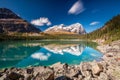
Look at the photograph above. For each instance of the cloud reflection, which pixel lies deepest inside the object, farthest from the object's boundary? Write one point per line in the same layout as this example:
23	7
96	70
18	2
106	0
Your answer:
40	56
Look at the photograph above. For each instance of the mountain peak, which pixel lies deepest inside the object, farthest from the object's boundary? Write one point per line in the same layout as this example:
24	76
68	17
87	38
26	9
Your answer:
76	28
7	14
10	22
3	8
77	24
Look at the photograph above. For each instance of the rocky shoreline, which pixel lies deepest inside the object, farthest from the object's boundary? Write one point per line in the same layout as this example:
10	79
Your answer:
107	69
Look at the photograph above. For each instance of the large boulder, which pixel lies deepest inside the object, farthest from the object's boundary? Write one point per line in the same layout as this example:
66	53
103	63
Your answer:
86	69
97	68
3	77
103	76
43	73
73	72
47	75
85	66
14	76
63	78
59	65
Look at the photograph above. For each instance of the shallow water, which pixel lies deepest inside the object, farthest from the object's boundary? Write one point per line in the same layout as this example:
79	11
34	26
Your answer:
45	53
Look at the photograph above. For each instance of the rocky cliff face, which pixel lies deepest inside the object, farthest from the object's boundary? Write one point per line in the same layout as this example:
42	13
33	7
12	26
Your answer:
76	28
10	22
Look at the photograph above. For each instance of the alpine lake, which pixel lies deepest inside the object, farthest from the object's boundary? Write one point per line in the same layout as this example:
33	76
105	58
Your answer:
46	52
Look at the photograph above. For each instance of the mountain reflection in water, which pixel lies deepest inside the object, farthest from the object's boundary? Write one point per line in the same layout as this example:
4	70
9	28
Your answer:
23	54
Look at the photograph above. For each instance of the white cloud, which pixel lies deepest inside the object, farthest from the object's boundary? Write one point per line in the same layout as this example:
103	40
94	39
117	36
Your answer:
94	23
41	22
40	56
77	8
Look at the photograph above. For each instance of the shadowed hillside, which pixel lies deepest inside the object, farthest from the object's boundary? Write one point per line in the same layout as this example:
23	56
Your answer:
12	23
109	32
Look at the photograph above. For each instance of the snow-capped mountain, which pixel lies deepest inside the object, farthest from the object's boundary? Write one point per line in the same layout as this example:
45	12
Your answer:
74	28
74	49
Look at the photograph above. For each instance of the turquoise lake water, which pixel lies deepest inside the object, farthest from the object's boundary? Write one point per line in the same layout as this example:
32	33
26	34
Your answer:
45	53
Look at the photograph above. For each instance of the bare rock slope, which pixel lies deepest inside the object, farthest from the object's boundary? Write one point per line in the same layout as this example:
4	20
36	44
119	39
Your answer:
10	22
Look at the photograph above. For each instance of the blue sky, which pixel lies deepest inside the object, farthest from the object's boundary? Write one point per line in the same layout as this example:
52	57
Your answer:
92	14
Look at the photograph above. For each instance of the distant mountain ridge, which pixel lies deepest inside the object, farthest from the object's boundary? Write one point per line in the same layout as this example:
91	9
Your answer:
10	22
76	28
